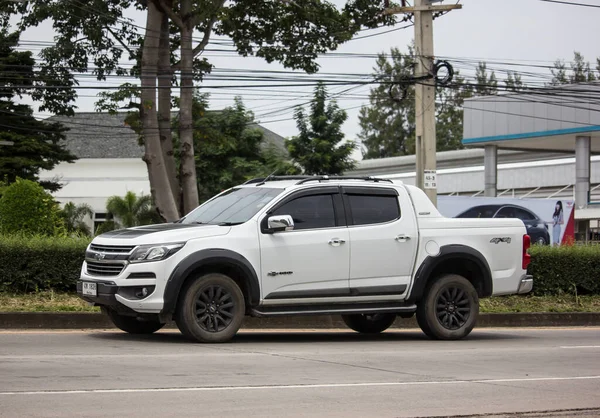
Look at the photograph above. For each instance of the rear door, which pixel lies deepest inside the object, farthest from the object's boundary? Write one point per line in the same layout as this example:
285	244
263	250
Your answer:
383	239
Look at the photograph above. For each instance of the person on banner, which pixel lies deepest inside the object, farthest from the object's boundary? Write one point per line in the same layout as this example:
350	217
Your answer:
557	221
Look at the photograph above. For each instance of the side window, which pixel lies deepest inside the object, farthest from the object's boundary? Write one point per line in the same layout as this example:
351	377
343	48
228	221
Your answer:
373	209
524	215
506	212
310	212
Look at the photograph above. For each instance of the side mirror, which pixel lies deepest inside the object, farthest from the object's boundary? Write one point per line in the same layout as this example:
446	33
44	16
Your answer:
280	223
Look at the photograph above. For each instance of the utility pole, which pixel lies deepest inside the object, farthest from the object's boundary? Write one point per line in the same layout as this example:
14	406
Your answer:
425	140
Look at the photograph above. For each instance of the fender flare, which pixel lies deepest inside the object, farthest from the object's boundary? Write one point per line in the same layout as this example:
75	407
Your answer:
447	252
202	258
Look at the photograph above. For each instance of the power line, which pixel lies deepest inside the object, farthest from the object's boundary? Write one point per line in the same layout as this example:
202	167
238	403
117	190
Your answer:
572	4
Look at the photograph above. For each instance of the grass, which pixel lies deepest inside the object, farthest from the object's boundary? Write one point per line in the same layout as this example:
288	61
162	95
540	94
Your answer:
66	302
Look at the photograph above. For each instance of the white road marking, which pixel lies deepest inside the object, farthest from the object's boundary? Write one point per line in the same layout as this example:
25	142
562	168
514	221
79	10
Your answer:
580	346
307	386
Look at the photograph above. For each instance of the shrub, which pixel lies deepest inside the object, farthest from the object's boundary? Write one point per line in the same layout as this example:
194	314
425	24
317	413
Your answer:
26	208
566	269
39	263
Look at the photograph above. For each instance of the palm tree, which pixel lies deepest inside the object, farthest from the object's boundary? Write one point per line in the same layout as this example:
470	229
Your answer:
73	215
131	210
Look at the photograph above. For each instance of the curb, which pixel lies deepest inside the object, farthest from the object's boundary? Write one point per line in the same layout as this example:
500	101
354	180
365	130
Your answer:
85	320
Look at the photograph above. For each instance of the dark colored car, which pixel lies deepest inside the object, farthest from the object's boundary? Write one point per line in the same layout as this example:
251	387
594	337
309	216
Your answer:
537	229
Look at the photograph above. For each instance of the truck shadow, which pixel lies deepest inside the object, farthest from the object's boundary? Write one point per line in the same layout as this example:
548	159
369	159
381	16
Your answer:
170	336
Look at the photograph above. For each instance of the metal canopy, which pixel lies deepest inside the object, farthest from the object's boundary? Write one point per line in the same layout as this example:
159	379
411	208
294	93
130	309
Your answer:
547	119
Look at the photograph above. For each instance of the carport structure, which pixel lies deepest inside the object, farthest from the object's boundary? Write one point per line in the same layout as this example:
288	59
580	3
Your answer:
564	119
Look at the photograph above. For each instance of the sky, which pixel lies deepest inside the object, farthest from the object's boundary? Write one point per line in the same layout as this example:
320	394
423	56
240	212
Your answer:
523	31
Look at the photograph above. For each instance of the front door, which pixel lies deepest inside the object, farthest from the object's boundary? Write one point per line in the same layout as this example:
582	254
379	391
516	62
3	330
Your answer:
313	260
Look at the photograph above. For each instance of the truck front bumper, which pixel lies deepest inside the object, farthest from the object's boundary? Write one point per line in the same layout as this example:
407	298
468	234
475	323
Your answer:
118	298
526	284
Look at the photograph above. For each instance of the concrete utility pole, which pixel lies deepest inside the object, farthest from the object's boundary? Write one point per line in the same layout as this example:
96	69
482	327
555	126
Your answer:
425	92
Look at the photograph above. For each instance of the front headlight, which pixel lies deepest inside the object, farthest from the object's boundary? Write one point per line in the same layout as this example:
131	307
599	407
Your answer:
147	253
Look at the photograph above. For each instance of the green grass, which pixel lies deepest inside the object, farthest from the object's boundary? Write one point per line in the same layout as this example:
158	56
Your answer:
49	301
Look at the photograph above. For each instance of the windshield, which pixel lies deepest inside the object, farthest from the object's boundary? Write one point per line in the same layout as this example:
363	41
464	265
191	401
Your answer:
235	206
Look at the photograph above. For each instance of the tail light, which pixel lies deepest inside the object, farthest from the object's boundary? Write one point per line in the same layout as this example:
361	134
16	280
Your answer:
526	255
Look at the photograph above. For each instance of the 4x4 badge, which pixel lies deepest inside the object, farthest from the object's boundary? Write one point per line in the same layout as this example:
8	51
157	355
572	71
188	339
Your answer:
498	240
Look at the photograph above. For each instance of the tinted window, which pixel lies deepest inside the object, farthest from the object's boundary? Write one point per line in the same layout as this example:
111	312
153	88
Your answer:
234	206
506	212
479	212
373	209
310	212
524	215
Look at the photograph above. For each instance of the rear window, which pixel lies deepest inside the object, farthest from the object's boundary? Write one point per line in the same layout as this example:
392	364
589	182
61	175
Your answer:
373	209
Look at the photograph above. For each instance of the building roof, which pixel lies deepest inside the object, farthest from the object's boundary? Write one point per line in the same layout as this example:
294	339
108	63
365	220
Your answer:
104	135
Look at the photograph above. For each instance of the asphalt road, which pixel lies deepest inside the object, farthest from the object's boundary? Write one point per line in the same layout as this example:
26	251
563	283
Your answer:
289	374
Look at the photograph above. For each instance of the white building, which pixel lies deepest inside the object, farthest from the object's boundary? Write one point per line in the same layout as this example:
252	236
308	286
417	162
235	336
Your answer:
109	161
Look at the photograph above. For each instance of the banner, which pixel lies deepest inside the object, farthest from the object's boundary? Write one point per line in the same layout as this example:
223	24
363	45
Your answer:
548	221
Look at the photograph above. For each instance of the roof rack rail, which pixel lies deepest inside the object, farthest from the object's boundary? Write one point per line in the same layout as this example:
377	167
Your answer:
325	178
262	180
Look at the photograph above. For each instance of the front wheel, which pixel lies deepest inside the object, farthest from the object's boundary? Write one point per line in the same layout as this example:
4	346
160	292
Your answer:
132	325
211	309
449	308
369	323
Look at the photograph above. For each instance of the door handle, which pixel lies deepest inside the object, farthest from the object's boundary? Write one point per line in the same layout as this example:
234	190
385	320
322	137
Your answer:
402	238
336	242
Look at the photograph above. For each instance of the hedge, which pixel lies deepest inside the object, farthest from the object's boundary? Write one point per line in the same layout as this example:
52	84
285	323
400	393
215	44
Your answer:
42	263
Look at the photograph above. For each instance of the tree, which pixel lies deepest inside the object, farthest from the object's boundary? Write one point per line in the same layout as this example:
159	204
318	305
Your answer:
73	216
388	123
26	208
292	32
131	210
36	144
317	148
485	84
230	148
513	82
579	71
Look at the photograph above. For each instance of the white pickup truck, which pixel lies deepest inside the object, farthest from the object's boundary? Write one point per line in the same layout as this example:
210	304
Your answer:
367	249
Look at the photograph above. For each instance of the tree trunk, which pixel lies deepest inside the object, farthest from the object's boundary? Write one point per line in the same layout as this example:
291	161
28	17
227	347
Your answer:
153	156
189	183
165	74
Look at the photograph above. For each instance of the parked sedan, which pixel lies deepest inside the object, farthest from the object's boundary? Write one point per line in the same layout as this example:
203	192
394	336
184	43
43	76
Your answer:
536	227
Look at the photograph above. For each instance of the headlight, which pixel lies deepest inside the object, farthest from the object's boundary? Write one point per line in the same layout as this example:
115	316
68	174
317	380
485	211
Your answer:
147	253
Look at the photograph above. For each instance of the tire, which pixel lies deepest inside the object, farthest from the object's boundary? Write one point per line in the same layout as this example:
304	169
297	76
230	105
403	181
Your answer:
541	241
369	323
449	308
132	325
210	309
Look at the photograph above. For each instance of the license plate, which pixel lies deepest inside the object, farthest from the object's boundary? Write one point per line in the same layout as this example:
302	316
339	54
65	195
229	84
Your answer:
89	289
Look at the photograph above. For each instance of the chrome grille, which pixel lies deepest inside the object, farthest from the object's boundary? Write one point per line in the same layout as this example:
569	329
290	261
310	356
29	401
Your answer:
104	269
112	249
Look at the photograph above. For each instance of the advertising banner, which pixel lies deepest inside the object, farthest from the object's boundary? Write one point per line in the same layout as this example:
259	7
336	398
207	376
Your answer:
548	221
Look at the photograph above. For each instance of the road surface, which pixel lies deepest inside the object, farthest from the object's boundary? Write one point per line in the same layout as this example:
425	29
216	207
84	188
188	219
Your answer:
290	374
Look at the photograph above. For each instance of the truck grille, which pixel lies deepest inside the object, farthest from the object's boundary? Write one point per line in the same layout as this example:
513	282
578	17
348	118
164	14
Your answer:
112	249
104	269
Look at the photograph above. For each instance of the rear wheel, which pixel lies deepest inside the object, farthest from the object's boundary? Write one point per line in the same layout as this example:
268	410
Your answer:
211	309
369	323
133	325
449	309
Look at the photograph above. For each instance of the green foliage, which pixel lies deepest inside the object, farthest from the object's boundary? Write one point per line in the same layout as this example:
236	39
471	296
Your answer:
317	148
486	83
25	208
565	270
30	264
579	71
230	148
131	210
388	125
36	144
73	216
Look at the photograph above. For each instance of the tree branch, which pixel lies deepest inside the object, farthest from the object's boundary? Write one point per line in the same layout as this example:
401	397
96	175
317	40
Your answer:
119	40
163	7
209	27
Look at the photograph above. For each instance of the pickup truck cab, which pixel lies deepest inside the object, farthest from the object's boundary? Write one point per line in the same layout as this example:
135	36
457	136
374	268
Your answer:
367	249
